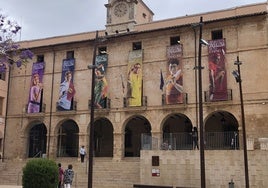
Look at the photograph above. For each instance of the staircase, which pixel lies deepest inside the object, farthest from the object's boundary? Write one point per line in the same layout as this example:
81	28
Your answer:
106	172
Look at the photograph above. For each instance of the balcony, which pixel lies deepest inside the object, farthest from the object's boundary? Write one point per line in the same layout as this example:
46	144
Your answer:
105	105
143	102
184	141
73	107
42	107
184	99
223	97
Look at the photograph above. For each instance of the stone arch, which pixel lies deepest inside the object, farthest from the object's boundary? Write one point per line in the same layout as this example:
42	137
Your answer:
177	129
137	128
37	139
68	139
221	131
103	138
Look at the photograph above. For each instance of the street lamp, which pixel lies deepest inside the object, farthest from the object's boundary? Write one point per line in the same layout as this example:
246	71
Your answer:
91	133
237	75
202	153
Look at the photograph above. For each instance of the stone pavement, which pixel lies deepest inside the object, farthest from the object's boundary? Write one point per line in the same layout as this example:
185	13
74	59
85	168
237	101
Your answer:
10	186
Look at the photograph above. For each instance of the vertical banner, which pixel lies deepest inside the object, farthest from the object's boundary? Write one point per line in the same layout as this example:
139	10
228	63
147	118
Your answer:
217	71
101	85
67	90
174	79
134	82
36	88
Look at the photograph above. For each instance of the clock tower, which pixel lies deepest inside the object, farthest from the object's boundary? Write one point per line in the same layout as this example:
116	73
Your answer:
123	15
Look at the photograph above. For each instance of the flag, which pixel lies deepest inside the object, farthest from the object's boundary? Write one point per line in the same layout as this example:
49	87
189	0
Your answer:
161	80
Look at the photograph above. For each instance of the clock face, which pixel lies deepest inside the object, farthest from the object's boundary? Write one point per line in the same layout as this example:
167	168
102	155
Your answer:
120	9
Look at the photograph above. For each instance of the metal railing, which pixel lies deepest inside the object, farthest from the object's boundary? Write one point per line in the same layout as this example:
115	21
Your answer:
143	102
43	108
184	141
184	99
73	107
228	96
107	104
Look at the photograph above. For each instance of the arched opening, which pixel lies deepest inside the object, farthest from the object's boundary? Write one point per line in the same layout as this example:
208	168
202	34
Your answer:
221	131
177	133
68	139
37	140
136	129
103	138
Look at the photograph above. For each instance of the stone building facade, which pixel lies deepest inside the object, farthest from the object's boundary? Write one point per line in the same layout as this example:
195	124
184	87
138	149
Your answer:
129	137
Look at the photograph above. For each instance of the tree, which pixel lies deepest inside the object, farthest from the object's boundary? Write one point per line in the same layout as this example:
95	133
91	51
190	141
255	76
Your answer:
10	51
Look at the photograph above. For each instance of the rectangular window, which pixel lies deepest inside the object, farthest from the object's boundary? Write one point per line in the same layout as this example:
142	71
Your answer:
217	34
3	76
136	46
40	58
174	40
1	105
102	50
70	54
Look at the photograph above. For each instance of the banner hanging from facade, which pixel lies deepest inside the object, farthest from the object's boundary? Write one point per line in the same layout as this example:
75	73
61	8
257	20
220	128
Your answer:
174	77
67	90
101	85
217	71
36	88
134	81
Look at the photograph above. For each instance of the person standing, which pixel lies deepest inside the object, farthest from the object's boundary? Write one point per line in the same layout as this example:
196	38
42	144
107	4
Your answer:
195	138
60	176
68	176
82	153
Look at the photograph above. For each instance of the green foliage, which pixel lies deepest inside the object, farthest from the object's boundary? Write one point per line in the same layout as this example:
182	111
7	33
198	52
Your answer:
40	173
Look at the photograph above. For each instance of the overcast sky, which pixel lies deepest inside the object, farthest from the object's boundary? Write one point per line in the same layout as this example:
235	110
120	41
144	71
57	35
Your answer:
49	18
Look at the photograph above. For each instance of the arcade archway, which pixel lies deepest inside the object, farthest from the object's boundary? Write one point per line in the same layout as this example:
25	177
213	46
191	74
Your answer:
103	138
177	132
37	140
221	131
68	139
135	129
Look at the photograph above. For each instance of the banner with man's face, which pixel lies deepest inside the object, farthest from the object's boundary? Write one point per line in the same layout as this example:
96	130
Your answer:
67	90
174	78
134	82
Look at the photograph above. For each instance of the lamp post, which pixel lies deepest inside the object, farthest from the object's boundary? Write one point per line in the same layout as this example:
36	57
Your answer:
202	154
238	79
91	132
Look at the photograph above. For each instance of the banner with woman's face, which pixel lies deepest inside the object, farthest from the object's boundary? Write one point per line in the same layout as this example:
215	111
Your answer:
101	85
36	88
217	71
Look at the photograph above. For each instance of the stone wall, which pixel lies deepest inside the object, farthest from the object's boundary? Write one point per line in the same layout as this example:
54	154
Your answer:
182	168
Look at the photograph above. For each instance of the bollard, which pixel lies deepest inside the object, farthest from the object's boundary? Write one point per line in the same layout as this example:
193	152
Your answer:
231	184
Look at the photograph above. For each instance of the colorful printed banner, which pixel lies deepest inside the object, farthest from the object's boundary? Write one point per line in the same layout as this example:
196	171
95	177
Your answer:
217	71
36	88
134	83
67	90
174	78
101	85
